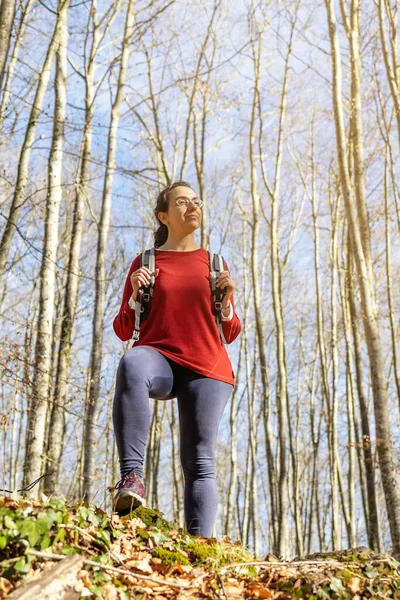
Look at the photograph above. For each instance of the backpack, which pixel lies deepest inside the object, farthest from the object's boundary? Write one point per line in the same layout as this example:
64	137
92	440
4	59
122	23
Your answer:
145	294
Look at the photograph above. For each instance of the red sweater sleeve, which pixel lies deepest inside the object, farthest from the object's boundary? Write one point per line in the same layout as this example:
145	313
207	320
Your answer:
124	322
233	327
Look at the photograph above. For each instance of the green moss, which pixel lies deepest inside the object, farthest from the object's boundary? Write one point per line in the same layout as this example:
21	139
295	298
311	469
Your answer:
200	553
142	533
150	517
170	558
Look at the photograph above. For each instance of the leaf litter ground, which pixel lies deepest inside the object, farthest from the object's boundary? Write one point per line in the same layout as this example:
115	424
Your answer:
144	556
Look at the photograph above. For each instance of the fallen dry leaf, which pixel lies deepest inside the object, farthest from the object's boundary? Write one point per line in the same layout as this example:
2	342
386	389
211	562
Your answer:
179	569
266	593
231	590
5	587
256	590
109	592
10	502
286	573
114	519
141	565
354	585
173	533
128	579
84	577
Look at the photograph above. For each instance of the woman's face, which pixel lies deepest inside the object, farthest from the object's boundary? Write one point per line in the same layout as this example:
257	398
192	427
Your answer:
183	215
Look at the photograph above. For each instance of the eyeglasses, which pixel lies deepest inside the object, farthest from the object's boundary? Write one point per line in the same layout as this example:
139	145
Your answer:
182	201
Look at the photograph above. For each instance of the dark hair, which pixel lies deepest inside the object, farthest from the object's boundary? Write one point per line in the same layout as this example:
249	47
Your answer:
161	235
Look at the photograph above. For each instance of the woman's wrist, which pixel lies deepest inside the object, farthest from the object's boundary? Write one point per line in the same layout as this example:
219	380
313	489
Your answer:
226	309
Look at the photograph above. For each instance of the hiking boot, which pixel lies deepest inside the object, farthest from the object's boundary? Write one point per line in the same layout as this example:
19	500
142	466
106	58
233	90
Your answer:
130	494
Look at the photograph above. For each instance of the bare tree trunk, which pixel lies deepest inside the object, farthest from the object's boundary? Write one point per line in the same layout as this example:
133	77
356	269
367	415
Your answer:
282	393
41	383
246	500
233	471
325	380
7	13
354	442
13	60
55	446
390	54
195	79
352	28
261	340
314	435
369	463
371	325
393	332
253	431
335	468
98	317
23	164
199	159
153	454
351	478
294	459
176	470
109	447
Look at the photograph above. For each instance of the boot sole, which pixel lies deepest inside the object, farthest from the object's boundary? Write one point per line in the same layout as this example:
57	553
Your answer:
126	502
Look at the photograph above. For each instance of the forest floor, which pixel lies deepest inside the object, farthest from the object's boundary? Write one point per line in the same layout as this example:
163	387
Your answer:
59	551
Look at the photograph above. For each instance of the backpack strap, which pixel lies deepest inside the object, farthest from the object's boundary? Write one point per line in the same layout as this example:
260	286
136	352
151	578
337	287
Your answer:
216	266
145	294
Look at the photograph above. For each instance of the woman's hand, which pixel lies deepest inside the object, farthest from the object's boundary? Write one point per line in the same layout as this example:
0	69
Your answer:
140	278
224	280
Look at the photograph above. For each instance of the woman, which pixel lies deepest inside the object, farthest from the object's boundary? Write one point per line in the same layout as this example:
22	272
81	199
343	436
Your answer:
179	355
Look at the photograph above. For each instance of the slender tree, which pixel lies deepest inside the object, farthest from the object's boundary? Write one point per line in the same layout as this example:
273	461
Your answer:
55	442
41	384
103	228
364	271
7	13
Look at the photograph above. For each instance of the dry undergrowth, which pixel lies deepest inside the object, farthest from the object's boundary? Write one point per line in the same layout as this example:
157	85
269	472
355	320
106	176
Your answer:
144	556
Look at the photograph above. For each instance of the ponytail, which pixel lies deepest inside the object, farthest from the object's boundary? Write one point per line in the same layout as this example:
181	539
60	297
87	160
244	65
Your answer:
160	236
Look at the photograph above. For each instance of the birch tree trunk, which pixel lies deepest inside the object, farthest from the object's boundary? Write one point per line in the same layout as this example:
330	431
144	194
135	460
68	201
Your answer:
233	472
371	325
354	442
13	60
41	383
325	376
7	12
98	317
282	394
260	335
335	468
389	287
55	445
369	462
23	164
390	56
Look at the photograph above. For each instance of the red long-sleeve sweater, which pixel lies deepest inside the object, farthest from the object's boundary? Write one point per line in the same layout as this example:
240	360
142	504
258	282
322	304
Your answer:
181	324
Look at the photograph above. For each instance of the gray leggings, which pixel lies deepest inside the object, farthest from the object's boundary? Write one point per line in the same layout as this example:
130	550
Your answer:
144	372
